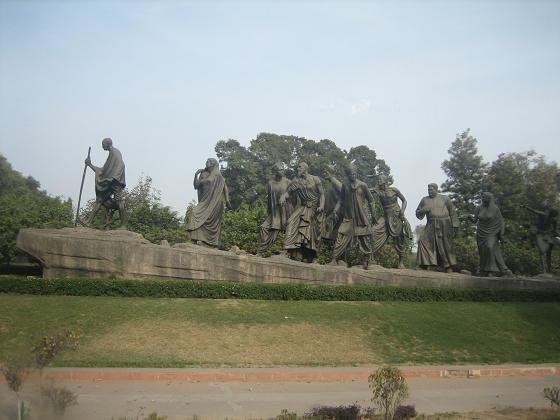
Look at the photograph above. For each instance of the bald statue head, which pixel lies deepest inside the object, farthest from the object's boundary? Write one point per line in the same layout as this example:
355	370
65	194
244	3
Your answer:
107	143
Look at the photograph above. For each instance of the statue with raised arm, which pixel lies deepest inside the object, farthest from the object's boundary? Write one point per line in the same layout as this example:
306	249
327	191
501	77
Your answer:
547	235
303	230
435	246
489	233
277	213
330	225
109	185
205	222
393	224
356	223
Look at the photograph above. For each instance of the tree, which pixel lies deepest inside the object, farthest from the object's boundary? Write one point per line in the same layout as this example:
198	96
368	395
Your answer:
518	180
389	389
247	170
465	172
369	167
146	214
242	171
14	372
270	148
24	205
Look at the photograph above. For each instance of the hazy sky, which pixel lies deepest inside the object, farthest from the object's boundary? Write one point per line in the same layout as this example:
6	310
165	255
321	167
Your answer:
167	80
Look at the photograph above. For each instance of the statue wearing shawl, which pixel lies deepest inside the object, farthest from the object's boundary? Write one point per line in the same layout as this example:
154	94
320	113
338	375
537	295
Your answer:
330	225
303	230
277	213
489	234
435	246
205	221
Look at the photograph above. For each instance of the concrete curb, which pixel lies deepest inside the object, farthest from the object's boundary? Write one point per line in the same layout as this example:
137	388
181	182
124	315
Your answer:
282	374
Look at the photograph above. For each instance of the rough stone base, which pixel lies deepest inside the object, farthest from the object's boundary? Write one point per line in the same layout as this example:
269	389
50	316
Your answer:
83	252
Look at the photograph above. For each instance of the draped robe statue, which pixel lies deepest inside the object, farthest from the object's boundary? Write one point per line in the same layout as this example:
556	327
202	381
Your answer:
277	213
303	230
330	225
489	233
205	222
435	246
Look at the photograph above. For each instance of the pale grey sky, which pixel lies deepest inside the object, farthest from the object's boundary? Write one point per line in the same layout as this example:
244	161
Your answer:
167	80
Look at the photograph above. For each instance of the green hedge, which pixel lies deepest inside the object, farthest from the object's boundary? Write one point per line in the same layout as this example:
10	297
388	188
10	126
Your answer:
231	290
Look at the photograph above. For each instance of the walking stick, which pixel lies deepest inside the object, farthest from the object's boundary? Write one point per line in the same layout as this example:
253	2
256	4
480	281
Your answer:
81	188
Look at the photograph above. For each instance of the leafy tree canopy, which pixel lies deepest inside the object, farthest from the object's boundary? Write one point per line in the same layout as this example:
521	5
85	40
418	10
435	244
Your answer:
247	170
466	171
518	180
24	205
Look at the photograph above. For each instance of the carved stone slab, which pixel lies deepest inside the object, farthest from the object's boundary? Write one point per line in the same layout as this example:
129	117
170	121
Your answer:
83	252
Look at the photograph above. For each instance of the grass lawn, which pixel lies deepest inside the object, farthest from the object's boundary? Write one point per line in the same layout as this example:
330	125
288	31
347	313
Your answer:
247	333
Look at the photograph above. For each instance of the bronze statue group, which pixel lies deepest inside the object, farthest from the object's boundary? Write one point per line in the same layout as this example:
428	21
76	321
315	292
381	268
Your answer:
345	216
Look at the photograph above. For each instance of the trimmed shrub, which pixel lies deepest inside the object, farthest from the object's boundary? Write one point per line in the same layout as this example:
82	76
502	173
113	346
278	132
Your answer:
263	291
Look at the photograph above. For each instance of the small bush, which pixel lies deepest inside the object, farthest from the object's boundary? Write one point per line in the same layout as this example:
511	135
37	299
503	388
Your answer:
405	412
342	412
50	346
553	395
389	389
154	416
523	258
13	370
286	415
60	397
467	254
241	227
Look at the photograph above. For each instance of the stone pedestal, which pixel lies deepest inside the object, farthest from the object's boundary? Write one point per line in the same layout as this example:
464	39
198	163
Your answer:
83	252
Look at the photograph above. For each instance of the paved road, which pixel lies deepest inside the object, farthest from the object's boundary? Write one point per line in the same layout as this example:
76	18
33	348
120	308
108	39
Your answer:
217	400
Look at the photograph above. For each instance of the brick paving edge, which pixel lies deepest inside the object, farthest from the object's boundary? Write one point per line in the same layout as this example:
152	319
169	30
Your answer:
279	375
